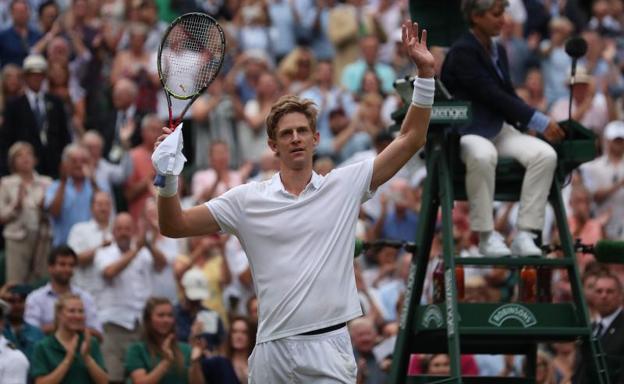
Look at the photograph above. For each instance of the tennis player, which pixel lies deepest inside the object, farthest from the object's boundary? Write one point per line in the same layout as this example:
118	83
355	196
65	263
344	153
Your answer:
297	230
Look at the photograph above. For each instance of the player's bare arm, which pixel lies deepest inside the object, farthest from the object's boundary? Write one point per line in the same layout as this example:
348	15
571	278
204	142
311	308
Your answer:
175	222
413	134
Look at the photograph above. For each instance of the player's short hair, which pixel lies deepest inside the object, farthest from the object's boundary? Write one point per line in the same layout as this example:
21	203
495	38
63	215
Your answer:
290	104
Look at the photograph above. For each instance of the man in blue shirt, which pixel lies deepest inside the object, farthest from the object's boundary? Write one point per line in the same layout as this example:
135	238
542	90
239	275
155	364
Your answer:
16	41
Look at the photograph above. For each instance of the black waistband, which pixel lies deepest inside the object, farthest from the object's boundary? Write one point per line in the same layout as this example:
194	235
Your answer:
324	330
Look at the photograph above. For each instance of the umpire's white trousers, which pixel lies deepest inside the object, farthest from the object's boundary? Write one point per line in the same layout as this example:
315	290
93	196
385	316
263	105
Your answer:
324	359
480	156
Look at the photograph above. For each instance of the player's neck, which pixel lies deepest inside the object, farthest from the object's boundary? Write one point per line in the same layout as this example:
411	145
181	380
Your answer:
295	180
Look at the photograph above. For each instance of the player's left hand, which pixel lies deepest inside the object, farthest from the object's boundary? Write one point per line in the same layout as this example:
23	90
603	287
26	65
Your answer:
416	48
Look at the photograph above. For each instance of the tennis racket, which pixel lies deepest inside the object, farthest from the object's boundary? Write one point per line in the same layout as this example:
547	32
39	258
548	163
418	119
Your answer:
189	58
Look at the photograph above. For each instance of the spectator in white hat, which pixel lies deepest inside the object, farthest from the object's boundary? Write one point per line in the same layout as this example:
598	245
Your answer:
604	177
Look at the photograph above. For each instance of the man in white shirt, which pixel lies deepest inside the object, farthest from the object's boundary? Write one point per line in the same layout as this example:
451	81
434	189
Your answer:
126	267
604	178
297	230
86	237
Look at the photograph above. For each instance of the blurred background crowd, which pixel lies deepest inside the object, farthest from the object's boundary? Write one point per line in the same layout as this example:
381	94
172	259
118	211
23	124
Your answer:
81	106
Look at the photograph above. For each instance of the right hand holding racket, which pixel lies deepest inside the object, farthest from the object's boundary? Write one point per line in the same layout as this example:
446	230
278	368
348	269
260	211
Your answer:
189	58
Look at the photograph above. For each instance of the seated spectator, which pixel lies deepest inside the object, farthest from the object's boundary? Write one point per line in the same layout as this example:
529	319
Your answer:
544	369
207	257
589	105
233	368
604	178
86	237
159	357
40	303
364	337
296	69
13	363
70	355
190	310
126	267
437	365
217	179
26	226
23	335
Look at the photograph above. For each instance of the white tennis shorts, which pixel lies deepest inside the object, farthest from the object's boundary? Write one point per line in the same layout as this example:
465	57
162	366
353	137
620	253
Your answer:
321	359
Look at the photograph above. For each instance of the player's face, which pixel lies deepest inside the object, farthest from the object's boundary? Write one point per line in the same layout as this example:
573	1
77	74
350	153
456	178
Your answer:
294	141
491	21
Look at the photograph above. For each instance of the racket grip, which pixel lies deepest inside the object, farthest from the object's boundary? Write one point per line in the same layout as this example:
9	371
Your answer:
159	180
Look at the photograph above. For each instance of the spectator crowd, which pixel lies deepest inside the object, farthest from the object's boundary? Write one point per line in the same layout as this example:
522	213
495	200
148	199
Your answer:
92	292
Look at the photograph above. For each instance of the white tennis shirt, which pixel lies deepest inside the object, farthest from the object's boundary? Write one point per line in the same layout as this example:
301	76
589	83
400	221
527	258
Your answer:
300	248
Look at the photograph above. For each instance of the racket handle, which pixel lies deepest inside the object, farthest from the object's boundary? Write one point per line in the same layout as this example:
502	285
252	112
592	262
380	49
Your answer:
159	180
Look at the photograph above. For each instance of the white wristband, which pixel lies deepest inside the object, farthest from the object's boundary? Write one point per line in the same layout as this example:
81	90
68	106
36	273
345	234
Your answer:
170	188
424	90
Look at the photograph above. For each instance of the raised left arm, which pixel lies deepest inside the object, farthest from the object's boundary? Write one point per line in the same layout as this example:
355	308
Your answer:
413	134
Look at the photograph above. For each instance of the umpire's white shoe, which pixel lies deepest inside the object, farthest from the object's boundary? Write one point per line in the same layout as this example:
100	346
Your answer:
492	244
524	245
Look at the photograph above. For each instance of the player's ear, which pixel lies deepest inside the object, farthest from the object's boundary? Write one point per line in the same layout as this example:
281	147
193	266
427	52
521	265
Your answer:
273	146
317	138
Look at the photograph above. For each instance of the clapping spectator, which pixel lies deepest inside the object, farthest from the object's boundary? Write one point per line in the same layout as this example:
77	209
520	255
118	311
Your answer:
40	303
107	175
126	267
71	354
27	226
159	357
86	238
68	199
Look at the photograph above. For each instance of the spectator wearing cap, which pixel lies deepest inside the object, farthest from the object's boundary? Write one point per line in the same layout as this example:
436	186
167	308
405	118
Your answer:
604	178
589	106
13	363
27	227
16	40
207	257
38	118
40	303
23	335
196	290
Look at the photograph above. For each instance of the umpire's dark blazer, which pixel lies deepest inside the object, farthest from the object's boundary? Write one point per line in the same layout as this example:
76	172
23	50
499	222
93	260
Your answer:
469	74
20	125
612	342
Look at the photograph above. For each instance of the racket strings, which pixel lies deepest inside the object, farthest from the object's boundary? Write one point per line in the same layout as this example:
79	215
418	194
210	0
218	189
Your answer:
191	56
